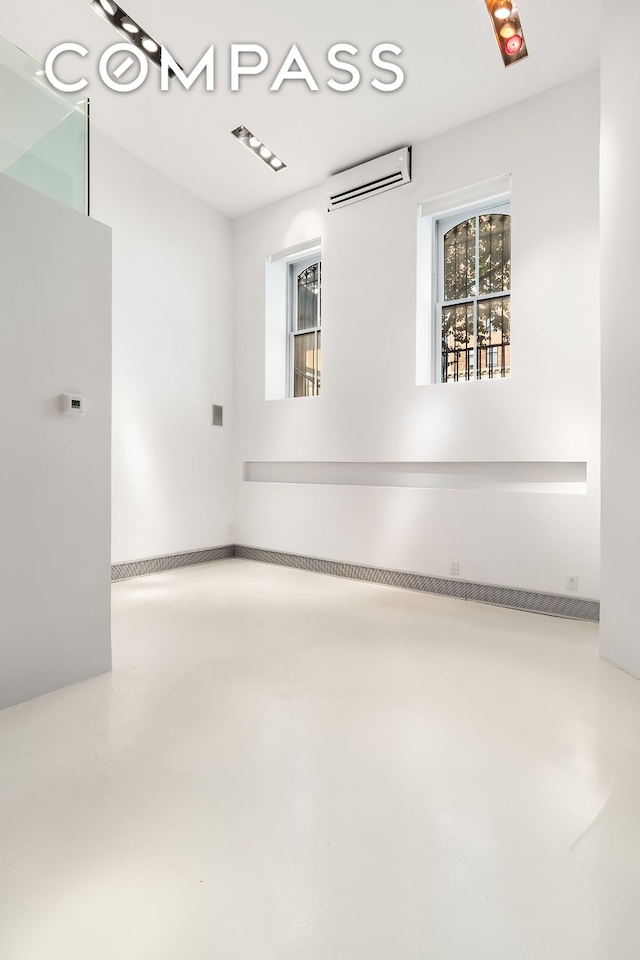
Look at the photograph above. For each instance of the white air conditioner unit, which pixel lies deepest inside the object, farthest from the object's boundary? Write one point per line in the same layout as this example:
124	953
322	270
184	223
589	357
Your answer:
368	179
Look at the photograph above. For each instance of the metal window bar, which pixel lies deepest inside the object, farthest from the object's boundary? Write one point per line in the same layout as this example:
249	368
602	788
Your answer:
451	362
310	374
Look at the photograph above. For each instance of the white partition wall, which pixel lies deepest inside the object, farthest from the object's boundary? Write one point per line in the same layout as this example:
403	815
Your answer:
55	337
620	245
172	359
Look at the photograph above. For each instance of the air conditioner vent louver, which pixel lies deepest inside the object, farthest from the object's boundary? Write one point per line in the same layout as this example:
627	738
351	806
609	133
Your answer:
368	179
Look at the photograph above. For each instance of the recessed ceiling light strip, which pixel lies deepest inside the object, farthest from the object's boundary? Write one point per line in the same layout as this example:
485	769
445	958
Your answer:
508	30
258	148
127	26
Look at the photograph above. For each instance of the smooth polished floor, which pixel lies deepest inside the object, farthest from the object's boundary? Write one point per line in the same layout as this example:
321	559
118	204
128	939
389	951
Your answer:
284	766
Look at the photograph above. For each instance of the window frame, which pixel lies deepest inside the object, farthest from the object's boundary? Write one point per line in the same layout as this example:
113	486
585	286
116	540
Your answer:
441	224
295	268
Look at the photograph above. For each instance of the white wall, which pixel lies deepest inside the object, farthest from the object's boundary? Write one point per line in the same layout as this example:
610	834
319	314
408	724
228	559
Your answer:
620	253
371	409
55	337
172	358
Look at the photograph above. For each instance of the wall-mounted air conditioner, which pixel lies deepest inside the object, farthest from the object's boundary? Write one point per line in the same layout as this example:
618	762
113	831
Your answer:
368	179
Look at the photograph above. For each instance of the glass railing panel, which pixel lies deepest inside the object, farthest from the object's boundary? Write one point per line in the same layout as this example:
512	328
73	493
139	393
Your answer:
43	134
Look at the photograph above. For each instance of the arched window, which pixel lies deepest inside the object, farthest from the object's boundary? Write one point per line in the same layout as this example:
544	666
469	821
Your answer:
305	316
473	310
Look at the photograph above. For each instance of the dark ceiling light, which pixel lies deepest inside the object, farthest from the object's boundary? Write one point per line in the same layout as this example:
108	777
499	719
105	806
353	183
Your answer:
508	30
127	26
513	45
257	147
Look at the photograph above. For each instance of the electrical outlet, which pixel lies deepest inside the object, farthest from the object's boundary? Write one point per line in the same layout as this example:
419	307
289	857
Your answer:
455	568
572	583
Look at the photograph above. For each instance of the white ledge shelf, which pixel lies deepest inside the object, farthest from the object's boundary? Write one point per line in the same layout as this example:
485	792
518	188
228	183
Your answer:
567	477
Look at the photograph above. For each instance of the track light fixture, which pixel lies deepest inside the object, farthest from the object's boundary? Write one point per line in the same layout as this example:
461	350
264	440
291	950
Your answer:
127	26
508	30
258	148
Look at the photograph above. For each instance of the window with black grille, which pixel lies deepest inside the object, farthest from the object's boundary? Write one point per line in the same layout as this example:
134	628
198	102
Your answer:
305	317
473	308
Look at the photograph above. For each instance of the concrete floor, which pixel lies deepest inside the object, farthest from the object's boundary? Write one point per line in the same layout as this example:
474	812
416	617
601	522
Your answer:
283	765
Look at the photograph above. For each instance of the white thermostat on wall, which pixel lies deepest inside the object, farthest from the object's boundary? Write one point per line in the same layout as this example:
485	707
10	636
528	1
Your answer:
72	405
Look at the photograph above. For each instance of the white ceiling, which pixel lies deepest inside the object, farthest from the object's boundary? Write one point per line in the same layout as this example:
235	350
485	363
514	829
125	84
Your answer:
453	73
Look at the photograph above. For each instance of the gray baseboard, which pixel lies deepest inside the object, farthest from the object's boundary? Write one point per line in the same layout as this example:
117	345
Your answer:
531	601
551	604
142	568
